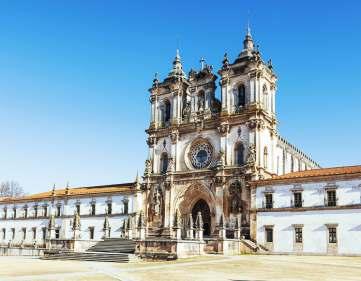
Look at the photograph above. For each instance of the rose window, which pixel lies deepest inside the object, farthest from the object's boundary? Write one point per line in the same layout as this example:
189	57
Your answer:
201	155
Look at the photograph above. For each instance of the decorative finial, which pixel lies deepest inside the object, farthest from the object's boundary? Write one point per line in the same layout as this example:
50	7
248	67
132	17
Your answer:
155	80
202	61
177	70
225	61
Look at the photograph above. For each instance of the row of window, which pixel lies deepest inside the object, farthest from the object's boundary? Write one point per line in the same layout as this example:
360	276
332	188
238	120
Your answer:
332	235
297	201
58	211
24	233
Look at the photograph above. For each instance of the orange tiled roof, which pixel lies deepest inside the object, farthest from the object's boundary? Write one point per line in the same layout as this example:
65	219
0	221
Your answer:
79	191
334	171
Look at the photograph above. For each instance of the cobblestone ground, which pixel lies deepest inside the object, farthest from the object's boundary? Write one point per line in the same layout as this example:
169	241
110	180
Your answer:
210	268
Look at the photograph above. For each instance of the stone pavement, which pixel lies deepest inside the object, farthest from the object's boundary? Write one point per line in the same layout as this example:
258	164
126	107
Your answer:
210	268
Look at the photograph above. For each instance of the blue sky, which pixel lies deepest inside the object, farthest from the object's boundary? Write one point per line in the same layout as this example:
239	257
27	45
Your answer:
74	77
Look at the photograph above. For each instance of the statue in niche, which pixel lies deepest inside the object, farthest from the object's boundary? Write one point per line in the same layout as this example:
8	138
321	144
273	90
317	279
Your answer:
187	111
235	192
157	201
201	102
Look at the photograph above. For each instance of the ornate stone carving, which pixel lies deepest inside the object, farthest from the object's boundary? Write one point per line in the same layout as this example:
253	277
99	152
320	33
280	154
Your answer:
174	136
187	111
170	167
221	160
255	123
148	167
251	158
157	201
223	129
151	141
235	192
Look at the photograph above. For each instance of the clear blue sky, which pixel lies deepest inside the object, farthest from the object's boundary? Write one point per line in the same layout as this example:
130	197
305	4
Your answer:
74	77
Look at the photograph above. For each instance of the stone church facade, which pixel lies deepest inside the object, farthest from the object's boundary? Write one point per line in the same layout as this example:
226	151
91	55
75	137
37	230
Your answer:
203	152
219	178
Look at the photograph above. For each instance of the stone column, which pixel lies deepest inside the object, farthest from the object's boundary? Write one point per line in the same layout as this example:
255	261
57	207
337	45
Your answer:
190	227
177	230
199	227
141	227
129	228
51	227
221	228
76	226
106	227
237	229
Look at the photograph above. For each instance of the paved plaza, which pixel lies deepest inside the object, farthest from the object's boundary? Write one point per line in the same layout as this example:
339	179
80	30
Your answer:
210	268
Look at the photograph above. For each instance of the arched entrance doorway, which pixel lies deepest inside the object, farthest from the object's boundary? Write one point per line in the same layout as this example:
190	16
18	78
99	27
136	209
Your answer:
202	206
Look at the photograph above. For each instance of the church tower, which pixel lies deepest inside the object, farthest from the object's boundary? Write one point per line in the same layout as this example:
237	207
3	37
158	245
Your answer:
204	151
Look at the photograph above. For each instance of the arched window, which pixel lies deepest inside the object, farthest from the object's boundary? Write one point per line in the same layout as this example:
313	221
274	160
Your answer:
241	96
292	164
265	98
265	157
239	154
163	163
166	111
283	162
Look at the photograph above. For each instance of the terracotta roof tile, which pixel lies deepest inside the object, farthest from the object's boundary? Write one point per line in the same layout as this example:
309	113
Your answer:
334	171
79	191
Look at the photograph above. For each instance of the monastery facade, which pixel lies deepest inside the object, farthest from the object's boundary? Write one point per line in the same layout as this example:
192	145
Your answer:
218	179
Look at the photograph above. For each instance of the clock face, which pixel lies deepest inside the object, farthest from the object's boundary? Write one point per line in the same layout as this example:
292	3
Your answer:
201	155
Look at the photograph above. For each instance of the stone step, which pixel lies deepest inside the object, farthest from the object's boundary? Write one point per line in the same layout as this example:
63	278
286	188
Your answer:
91	256
117	245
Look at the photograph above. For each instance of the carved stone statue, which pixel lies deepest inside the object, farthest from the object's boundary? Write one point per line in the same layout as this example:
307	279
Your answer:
200	102
235	191
187	111
157	201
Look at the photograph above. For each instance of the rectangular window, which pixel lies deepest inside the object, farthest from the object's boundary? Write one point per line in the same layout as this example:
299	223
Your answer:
269	235
5	213
24	233
35	211
78	208
45	211
332	235
25	212
14	213
4	234
298	235
297	199
57	233
93	209
44	233
126	207
331	198
58	211
91	232
109	208
34	233
13	233
269	200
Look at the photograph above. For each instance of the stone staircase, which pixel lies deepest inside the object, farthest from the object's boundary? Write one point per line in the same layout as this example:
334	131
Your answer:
256	248
109	250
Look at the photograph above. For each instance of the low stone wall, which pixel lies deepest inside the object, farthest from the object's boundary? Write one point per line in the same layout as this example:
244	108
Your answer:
169	248
77	245
17	251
